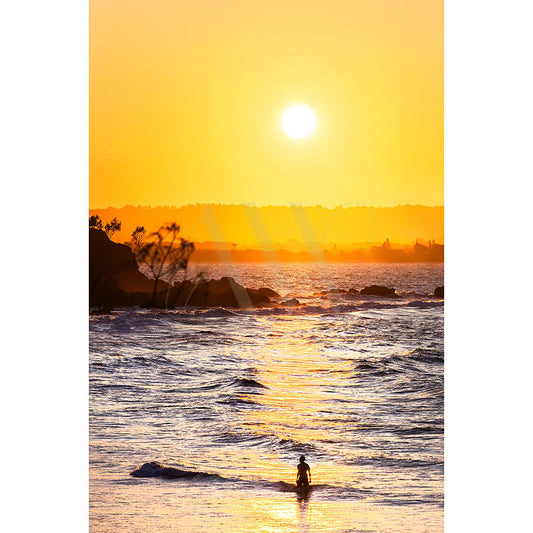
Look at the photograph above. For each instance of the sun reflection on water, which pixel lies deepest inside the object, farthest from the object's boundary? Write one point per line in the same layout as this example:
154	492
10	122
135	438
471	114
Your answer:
242	397
294	404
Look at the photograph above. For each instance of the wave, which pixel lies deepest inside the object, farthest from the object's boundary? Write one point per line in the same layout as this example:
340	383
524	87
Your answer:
238	402
422	304
151	360
266	441
249	383
408	502
283	486
399	363
437	428
156	469
125	319
240	382
399	463
293	446
426	355
217	312
341	308
233	385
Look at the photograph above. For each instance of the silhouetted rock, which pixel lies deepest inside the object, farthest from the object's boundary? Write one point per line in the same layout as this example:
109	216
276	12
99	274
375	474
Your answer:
291	302
378	290
265	291
155	469
114	277
439	292
152	469
225	292
115	280
353	291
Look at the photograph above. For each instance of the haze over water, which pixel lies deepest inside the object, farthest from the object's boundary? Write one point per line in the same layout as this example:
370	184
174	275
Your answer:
355	383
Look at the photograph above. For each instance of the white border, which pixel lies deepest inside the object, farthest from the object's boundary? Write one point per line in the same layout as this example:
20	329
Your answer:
487	218
44	134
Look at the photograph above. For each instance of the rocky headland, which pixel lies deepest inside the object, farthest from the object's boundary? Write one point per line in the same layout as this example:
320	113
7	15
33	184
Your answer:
115	281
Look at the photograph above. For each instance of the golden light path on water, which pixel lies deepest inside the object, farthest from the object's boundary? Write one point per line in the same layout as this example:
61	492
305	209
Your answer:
257	513
313	396
295	404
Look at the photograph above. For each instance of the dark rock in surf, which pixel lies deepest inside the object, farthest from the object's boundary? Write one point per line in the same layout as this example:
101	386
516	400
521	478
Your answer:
291	303
379	290
265	291
225	292
114	277
439	292
155	469
152	469
115	281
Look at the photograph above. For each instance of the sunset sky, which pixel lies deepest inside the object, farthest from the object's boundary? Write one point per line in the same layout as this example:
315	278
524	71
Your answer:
186	102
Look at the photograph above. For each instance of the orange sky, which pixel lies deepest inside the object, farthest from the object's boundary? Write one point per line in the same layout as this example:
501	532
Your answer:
186	100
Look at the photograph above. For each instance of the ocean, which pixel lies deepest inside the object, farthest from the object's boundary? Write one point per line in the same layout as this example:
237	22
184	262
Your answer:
232	398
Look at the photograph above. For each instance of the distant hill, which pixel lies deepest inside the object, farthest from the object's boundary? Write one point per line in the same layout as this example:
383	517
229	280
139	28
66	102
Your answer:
311	228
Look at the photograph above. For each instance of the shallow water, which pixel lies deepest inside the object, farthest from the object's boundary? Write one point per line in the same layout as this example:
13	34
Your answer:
354	383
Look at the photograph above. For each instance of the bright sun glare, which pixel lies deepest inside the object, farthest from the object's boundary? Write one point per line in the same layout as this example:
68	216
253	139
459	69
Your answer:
298	121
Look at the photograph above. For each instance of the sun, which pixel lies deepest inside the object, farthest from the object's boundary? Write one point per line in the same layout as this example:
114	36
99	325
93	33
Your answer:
298	121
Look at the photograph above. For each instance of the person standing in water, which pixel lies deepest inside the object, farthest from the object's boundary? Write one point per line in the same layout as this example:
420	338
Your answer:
301	477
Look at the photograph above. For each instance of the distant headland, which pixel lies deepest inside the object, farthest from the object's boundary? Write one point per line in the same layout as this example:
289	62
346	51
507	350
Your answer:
245	233
115	279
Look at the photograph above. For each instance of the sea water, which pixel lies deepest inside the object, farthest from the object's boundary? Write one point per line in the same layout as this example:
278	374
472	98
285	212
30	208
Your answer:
354	383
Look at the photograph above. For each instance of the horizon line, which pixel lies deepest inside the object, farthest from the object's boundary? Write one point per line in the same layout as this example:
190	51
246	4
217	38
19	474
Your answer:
250	204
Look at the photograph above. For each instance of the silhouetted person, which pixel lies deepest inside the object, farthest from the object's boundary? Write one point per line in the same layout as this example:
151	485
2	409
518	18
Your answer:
301	477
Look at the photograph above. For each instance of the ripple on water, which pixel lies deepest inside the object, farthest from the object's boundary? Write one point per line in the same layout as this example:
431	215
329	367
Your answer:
356	385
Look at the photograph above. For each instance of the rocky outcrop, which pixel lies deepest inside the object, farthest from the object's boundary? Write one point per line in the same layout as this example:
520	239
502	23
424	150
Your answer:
439	292
225	292
155	469
115	281
379	290
152	469
265	291
114	277
291	303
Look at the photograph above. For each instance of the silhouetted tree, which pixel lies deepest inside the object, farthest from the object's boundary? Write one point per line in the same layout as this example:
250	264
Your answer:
137	239
164	253
112	226
95	222
387	253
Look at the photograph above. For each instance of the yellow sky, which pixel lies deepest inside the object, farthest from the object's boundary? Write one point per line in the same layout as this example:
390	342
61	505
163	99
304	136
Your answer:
186	99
